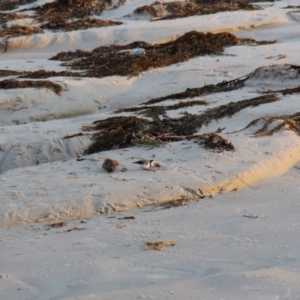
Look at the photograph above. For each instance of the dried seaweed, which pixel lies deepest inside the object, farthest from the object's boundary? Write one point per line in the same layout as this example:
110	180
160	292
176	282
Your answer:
76	8
14	84
5	73
216	142
45	74
17	30
155	111
55	15
118	59
116	132
159	245
253	42
13	4
288	91
174	203
69	55
5	17
122	132
224	86
56	225
178	9
273	124
291	7
60	23
178	105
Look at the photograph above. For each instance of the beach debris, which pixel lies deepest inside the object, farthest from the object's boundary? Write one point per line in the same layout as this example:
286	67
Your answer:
155	111
119	226
110	165
5	73
18	30
147	164
253	216
134	51
118	59
179	9
273	124
56	225
76	229
174	203
280	56
159	245
56	15
140	56
260	75
215	141
5	17
69	9
45	74
127	218
59	23
13	4
123	132
15	84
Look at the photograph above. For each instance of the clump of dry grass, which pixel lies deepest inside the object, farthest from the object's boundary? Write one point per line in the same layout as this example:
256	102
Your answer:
159	245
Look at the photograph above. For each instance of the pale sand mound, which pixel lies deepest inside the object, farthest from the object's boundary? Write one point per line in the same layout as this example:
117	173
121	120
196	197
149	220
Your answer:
72	189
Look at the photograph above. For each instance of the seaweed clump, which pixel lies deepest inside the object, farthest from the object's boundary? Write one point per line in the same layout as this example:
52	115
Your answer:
17	30
14	84
13	4
60	23
122	132
214	141
273	124
178	9
223	86
5	17
160	110
123	60
45	74
76	8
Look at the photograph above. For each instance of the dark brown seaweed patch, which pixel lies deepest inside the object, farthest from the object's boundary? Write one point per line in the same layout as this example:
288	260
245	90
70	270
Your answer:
13	4
76	8
273	124
16	30
122	132
118	59
14	84
60	23
179	9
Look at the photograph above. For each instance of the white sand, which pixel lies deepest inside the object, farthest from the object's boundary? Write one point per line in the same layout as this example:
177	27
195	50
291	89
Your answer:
235	245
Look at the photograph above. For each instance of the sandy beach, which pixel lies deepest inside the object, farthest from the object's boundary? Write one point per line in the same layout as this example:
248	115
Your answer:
210	94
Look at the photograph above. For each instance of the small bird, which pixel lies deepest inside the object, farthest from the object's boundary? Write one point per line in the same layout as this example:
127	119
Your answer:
146	163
